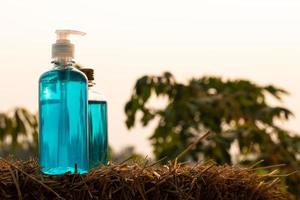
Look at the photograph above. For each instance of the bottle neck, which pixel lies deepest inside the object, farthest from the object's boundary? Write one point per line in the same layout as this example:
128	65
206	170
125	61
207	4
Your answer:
62	63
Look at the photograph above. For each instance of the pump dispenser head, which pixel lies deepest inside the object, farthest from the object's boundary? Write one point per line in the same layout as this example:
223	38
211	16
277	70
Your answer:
63	49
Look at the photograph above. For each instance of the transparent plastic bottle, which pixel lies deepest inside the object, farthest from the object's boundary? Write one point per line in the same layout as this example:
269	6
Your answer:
98	145
63	113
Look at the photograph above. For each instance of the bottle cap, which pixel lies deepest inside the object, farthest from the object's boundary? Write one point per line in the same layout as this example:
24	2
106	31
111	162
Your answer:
63	48
89	72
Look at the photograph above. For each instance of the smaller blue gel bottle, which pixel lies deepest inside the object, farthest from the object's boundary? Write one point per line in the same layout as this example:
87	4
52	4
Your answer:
63	112
97	104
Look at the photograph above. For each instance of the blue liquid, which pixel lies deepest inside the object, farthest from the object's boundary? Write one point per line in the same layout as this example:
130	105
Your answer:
63	138
98	133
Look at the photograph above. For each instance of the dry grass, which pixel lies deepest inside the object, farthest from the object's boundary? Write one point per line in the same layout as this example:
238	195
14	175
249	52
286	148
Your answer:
204	181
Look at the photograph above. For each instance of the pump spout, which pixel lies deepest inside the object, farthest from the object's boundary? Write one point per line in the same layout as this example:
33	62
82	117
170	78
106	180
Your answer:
64	34
63	49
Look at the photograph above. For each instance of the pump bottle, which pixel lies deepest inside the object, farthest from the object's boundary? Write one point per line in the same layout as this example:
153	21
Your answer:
63	112
97	122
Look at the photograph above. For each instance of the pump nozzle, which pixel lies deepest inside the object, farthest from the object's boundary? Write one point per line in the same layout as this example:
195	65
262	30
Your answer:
63	49
63	34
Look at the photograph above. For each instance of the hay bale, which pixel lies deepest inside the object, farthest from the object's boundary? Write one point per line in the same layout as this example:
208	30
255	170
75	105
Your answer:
22	180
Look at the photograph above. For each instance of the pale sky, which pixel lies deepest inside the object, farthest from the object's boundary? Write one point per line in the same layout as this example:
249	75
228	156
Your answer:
253	39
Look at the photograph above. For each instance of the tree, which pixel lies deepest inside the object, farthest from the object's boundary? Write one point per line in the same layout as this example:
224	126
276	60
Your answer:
18	133
125	153
236	112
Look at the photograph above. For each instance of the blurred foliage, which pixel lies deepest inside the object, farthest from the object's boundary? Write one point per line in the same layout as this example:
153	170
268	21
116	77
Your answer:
18	133
238	114
125	154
